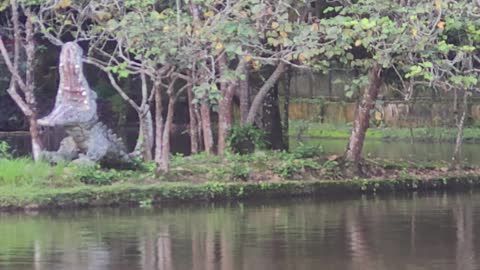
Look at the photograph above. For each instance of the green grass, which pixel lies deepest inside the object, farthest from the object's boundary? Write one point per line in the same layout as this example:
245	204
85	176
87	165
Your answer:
22	171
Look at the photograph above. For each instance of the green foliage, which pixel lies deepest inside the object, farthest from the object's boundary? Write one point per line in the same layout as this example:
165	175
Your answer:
245	139
96	176
5	150
332	169
231	170
307	151
290	165
24	171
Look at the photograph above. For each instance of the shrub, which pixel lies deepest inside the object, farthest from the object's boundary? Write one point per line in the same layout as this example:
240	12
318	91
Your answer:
307	151
245	139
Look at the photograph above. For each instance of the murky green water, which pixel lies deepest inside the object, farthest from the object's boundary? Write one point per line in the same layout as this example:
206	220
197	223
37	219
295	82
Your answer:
433	231
419	151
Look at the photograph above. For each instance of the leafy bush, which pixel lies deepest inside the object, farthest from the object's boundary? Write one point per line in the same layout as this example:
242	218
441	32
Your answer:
307	151
332	169
240	172
292	165
97	176
245	139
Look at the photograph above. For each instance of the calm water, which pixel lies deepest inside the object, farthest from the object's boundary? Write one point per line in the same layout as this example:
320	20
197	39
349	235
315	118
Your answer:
435	231
419	151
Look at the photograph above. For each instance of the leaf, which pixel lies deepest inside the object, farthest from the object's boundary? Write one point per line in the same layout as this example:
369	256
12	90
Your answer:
441	25
123	74
349	94
4	5
218	46
427	64
64	3
275	25
208	14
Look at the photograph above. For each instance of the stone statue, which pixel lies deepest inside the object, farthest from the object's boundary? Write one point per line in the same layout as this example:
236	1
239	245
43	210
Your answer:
89	141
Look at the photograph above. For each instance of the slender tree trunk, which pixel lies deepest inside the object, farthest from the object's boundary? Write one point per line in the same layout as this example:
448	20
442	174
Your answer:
158	124
272	122
198	116
224	119
262	93
37	145
286	105
362	117
243	87
225	109
145	134
165	159
28	103
193	122
457	153
207	128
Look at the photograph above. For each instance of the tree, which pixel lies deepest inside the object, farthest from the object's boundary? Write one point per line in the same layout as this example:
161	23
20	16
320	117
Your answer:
378	37
451	61
22	83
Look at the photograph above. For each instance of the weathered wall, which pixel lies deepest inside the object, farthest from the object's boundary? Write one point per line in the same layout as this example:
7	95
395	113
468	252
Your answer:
392	114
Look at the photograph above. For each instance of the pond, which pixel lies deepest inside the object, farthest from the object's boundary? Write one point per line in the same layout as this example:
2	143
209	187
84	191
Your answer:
415	231
395	150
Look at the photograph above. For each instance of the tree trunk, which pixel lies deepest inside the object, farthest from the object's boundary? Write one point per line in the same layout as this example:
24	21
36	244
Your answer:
158	124
193	123
224	119
37	145
165	159
286	105
27	103
145	134
262	93
225	108
457	153
243	87
362	117
207	128
272	122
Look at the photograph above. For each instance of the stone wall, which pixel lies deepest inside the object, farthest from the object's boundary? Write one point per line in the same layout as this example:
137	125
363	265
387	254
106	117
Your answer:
391	114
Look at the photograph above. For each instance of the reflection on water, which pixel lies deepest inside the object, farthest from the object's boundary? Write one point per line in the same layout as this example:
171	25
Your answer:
436	231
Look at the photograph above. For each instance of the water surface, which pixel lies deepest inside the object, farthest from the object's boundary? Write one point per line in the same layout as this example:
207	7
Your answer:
411	232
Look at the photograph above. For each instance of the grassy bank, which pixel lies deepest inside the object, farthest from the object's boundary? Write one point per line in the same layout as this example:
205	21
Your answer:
263	174
342	131
153	194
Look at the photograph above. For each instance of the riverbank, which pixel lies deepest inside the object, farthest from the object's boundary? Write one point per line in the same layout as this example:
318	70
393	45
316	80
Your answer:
127	194
343	131
25	185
